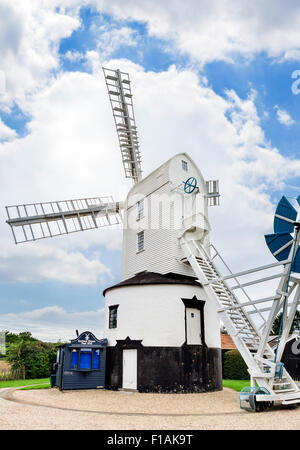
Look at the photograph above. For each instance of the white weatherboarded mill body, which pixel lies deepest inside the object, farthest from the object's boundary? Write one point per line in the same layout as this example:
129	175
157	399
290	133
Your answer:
157	320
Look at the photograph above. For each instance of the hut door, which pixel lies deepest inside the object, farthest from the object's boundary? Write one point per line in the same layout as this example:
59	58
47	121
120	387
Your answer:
193	331
130	369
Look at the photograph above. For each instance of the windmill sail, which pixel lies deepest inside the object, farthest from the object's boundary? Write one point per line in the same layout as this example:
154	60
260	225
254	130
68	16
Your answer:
120	96
33	221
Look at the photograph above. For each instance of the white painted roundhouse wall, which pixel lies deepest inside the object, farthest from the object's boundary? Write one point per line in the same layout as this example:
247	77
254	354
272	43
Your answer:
156	314
162	252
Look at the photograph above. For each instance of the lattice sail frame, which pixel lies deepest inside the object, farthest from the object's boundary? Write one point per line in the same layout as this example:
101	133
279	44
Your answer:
34	221
120	96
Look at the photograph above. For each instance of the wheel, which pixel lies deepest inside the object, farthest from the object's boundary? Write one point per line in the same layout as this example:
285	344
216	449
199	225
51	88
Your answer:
260	406
190	185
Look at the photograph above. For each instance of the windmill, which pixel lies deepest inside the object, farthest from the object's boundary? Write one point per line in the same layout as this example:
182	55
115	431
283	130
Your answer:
152	261
162	321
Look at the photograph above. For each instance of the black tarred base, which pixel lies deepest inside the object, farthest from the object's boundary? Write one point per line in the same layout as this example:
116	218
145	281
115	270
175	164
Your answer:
190	368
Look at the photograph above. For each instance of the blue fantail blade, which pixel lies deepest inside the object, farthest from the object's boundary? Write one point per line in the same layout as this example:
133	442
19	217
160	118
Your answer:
288	215
296	262
278	241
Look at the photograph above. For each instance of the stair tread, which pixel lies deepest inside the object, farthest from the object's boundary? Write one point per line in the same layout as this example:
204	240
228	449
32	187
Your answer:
282	391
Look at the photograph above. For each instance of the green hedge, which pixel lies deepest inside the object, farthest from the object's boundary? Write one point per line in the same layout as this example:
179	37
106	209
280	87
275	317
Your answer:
30	357
234	366
35	358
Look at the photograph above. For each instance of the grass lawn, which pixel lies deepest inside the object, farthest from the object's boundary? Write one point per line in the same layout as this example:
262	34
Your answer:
237	385
43	383
38	386
16	383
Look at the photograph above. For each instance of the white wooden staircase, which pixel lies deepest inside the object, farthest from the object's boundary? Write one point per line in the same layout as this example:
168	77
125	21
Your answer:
251	342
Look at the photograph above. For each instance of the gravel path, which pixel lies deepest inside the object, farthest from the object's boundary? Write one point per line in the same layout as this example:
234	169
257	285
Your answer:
111	410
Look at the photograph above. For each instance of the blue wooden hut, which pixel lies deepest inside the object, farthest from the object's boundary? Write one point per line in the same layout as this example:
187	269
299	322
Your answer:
81	364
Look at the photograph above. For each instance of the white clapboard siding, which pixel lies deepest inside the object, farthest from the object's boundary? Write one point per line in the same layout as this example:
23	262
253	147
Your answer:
162	252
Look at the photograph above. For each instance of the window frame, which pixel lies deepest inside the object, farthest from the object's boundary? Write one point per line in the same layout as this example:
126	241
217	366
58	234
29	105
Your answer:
110	320
184	165
85	369
140	209
142	232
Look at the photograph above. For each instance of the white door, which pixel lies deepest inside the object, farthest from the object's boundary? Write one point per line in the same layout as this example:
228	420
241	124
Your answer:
130	369
193	336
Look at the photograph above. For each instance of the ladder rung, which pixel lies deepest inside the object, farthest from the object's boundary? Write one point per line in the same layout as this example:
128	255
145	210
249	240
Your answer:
110	77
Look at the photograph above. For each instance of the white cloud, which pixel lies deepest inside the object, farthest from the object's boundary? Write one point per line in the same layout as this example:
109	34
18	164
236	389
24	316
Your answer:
284	117
6	133
112	38
53	323
32	263
72	152
74	56
213	30
30	32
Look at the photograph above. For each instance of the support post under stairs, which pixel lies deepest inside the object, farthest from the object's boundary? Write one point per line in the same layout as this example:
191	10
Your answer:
243	330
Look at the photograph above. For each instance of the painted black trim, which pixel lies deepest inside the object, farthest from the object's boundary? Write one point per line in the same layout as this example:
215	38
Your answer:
185	327
202	326
193	302
114	366
196	304
128	343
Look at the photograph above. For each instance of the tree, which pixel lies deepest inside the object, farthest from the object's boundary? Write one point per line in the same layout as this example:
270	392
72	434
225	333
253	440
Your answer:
15	355
295	325
30	357
11	338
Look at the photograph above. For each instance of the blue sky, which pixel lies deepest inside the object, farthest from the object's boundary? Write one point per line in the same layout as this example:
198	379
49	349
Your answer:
233	76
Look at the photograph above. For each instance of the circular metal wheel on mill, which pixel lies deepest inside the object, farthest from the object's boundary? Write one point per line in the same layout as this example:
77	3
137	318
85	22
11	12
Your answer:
190	185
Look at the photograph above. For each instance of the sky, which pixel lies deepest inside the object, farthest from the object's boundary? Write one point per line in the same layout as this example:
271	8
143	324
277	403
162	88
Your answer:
218	80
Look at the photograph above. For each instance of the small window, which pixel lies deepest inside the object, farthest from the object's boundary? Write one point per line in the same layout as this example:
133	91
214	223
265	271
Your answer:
140	212
96	359
74	359
140	241
184	165
113	312
85	360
